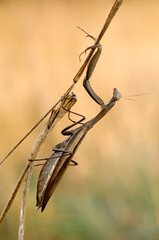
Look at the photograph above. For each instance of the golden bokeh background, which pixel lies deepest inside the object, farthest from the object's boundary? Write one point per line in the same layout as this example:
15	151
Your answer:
113	193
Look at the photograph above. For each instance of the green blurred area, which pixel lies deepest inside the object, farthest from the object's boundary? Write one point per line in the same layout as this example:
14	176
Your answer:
113	193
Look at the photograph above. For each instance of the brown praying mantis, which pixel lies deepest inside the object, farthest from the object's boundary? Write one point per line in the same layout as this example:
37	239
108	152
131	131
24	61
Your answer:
56	165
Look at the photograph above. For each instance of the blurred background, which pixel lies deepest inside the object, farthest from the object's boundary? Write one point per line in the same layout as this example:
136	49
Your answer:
113	193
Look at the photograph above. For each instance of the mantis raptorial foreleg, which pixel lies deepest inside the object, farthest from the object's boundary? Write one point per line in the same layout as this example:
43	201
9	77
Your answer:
91	66
89	72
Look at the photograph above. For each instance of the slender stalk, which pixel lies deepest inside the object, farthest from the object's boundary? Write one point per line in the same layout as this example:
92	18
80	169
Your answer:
56	115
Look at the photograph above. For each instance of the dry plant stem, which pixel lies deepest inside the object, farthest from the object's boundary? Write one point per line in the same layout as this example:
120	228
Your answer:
56	114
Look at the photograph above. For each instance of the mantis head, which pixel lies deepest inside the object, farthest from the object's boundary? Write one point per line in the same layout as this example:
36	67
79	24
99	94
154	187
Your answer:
116	94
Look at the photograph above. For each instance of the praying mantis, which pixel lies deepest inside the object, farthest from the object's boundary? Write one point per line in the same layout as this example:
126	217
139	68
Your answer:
56	165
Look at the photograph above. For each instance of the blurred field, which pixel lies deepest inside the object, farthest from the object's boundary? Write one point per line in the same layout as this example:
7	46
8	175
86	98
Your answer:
113	193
